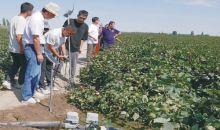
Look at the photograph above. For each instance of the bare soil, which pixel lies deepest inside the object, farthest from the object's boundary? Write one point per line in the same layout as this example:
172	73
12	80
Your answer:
40	112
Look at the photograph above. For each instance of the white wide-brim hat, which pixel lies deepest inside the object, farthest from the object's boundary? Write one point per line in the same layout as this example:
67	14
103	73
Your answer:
52	8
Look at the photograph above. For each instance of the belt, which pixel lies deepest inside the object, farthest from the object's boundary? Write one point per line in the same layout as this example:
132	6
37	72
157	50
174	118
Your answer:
42	45
28	45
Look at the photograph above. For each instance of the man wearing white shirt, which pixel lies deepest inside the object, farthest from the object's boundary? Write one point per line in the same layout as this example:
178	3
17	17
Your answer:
16	47
55	39
93	37
33	53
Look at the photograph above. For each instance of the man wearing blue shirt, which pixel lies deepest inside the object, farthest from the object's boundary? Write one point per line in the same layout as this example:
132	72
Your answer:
109	35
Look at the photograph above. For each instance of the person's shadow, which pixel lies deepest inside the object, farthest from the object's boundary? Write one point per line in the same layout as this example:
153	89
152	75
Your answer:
17	93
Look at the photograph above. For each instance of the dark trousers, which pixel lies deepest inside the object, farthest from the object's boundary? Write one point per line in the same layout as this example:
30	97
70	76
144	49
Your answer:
45	73
107	45
91	48
18	62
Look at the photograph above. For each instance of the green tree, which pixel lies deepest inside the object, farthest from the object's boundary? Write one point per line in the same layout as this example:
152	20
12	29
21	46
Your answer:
5	22
192	33
174	33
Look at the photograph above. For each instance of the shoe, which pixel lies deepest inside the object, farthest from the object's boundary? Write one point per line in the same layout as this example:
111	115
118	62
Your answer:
30	100
18	86
38	95
72	83
55	89
44	91
37	100
7	85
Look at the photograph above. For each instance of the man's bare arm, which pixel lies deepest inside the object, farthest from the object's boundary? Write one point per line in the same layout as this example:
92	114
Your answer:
92	37
37	48
20	44
81	44
117	34
53	50
63	49
36	40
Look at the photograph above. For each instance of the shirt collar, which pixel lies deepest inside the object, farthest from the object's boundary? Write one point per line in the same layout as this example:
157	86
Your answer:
40	15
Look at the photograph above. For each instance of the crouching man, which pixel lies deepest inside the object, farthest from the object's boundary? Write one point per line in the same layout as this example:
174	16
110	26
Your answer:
55	39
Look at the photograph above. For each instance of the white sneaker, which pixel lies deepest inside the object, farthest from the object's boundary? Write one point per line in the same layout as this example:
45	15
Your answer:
30	100
55	88
37	100
38	95
44	91
7	85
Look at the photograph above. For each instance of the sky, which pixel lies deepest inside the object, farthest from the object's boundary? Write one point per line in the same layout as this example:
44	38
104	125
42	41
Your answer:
165	16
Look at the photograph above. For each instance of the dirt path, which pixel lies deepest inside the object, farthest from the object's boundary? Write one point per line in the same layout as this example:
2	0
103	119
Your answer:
11	109
40	112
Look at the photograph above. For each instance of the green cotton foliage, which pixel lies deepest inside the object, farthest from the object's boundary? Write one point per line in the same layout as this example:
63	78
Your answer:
155	77
5	58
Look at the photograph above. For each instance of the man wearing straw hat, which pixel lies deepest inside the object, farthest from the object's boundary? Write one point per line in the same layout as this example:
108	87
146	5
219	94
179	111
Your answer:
33	53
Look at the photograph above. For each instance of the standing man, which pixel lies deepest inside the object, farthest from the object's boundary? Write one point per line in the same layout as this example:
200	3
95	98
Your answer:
109	35
77	40
43	89
16	47
33	32
93	38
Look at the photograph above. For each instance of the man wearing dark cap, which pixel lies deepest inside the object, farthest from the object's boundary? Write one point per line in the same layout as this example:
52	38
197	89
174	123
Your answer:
16	47
77	40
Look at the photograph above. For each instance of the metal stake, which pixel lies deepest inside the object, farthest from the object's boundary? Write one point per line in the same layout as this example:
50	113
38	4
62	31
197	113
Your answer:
51	87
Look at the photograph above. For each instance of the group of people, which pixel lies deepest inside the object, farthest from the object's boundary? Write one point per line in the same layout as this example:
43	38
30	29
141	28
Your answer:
100	37
30	36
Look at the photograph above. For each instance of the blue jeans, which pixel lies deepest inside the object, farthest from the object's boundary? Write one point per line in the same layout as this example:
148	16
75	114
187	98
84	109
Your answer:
107	45
33	72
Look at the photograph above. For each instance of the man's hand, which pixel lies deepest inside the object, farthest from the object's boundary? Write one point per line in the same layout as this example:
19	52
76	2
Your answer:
19	40
62	58
94	39
40	58
81	45
80	51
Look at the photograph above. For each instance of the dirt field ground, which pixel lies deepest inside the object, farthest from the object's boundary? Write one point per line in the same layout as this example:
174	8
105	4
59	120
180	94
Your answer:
40	113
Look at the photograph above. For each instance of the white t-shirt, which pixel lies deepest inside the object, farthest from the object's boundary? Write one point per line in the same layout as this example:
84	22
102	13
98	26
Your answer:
94	32
34	26
55	38
42	40
16	28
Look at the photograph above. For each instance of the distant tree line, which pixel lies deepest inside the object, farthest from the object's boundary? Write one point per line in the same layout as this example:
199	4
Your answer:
5	22
192	33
